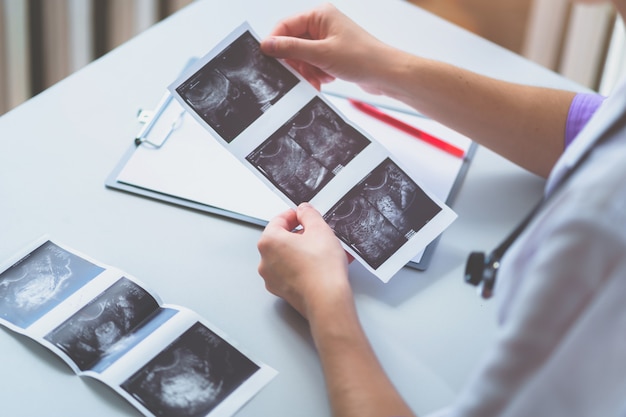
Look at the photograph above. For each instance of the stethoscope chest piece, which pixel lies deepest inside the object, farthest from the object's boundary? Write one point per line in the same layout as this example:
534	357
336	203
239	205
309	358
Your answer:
481	270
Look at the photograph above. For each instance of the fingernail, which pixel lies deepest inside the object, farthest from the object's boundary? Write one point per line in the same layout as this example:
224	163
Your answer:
269	45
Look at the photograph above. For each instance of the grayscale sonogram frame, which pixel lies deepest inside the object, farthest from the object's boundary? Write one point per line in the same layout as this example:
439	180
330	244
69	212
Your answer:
113	315
236	87
40	281
191	376
381	213
304	154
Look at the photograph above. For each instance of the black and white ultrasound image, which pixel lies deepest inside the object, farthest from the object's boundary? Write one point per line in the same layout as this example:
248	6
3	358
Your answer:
236	87
40	281
191	376
105	321
303	155
381	213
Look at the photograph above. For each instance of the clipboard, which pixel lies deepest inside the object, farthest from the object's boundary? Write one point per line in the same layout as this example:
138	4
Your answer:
174	160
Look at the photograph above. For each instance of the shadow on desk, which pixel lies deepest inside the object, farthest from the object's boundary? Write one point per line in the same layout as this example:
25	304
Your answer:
495	197
407	283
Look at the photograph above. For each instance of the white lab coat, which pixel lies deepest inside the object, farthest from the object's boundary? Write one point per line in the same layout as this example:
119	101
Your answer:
561	349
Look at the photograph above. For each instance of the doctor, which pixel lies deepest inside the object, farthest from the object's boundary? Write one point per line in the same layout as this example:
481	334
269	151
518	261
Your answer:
561	288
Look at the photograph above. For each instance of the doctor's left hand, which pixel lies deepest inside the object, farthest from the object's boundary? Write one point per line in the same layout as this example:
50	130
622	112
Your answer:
307	268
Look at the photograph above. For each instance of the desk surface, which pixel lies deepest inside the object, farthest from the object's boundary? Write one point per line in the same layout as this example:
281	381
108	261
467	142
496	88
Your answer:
56	150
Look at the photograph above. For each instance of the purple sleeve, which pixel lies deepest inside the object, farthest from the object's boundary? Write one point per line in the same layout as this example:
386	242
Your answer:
582	108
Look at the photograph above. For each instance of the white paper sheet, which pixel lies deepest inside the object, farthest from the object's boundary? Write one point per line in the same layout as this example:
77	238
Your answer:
109	326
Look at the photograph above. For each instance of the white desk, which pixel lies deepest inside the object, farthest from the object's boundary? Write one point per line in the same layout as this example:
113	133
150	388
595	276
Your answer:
57	149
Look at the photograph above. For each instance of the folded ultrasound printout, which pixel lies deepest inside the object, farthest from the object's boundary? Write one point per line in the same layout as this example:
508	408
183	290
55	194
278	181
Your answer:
299	144
165	360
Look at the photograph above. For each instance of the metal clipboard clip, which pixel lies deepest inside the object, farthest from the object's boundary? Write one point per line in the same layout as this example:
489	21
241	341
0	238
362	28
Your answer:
156	128
154	133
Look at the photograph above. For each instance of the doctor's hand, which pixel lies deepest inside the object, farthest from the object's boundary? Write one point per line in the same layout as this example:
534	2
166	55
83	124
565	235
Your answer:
308	268
325	44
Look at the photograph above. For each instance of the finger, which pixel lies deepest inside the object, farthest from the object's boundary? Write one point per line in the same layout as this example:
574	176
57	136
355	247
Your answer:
292	26
309	217
289	47
277	230
350	257
303	69
286	220
312	74
316	76
306	25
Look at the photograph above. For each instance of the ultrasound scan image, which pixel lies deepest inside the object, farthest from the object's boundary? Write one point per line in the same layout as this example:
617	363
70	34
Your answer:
308	151
367	231
105	321
235	88
41	281
325	136
290	168
191	376
381	213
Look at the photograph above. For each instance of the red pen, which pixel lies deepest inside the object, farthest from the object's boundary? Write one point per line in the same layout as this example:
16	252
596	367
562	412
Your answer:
413	131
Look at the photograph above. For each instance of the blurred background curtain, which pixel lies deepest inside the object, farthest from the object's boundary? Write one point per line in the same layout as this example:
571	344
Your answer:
582	42
43	41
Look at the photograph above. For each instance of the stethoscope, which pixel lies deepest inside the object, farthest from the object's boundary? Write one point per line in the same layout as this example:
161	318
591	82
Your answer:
481	269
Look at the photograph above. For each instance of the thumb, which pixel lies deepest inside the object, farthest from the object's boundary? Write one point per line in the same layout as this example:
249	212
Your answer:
309	217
